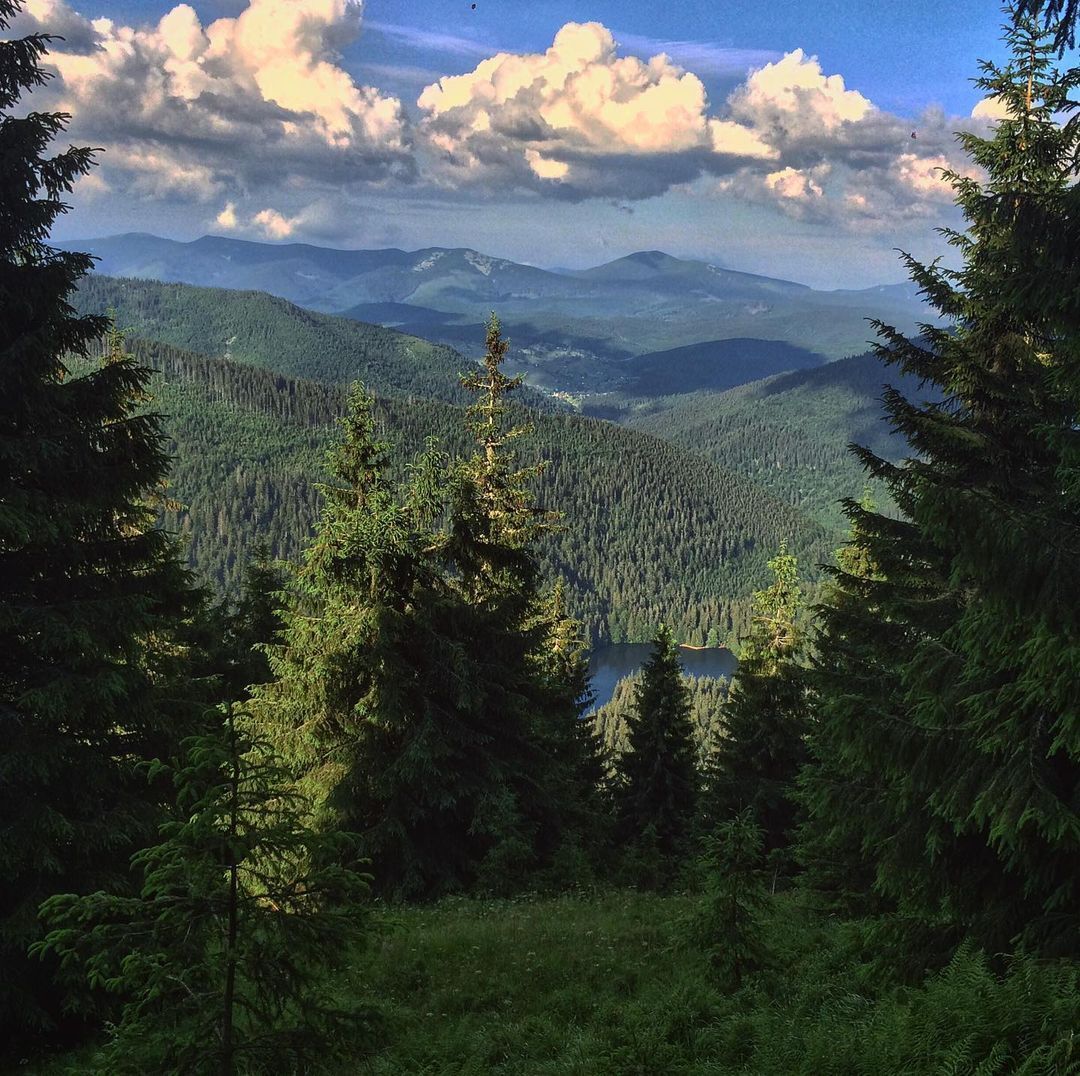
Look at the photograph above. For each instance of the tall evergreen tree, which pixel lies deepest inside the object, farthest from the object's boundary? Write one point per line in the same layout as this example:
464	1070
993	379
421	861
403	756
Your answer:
853	680
224	960
570	742
371	700
656	780
491	556
755	758
88	584
255	621
971	727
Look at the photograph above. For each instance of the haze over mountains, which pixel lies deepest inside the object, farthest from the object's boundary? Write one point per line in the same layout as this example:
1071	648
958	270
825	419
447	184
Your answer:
686	325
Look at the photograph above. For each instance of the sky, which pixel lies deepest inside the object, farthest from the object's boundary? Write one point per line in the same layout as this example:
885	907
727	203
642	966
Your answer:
801	140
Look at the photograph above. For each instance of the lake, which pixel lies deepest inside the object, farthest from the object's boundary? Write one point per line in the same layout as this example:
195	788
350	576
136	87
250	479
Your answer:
609	664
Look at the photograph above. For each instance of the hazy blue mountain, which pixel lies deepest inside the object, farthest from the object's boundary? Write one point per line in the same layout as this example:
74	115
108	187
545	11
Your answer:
715	365
572	330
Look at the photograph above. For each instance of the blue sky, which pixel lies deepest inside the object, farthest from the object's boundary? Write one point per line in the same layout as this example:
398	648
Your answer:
773	137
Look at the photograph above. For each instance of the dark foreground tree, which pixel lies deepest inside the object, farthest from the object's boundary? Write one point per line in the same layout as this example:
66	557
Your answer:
728	926
760	744
967	720
370	697
88	585
224	962
571	745
656	782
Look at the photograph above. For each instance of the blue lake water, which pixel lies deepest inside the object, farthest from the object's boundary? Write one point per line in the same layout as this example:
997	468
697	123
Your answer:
609	664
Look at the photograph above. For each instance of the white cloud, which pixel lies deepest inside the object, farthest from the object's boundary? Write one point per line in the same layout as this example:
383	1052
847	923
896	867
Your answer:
792	184
580	120
227	218
582	116
225	112
273	224
240	103
990	108
794	98
925	175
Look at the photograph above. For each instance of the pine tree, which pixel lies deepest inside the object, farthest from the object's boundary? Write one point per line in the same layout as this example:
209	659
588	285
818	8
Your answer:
755	759
255	622
656	781
88	585
970	725
372	696
570	744
224	960
728	926
491	553
853	681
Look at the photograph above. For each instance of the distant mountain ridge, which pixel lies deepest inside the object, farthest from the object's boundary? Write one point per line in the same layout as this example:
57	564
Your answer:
307	274
572	330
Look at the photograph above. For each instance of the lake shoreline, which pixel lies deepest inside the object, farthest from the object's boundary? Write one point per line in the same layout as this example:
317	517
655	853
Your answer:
609	664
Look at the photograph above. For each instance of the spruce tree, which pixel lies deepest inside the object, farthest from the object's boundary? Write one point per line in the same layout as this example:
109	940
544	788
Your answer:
656	782
853	681
571	744
255	622
728	927
491	556
372	697
760	746
88	584
224	961
969	727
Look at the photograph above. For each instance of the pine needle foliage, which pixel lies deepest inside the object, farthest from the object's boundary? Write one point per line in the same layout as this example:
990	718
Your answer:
89	587
960	728
729	926
224	961
656	780
370	701
755	758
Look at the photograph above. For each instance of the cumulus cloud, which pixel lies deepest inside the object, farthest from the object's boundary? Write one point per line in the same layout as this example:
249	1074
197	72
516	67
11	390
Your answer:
990	108
237	104
226	112
227	218
275	225
581	120
793	99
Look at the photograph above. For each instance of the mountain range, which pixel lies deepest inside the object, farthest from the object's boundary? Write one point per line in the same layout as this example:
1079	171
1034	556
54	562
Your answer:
672	511
619	329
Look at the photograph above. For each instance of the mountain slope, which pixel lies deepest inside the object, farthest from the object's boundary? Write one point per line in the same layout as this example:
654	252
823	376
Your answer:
651	532
572	328
790	433
256	328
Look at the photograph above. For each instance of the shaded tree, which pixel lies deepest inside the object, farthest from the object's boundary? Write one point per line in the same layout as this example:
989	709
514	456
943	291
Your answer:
656	782
224	962
90	589
969	727
755	758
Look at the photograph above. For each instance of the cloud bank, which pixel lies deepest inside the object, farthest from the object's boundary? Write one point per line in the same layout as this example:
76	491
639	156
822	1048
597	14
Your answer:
260	108
243	103
581	121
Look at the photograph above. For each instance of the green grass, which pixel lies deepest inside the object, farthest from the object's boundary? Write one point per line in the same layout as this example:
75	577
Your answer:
555	986
607	985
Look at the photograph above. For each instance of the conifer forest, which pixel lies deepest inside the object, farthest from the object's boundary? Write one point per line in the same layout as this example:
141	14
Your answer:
302	766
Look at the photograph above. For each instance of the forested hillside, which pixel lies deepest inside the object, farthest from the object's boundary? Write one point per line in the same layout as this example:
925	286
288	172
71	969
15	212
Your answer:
650	532
256	328
790	433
